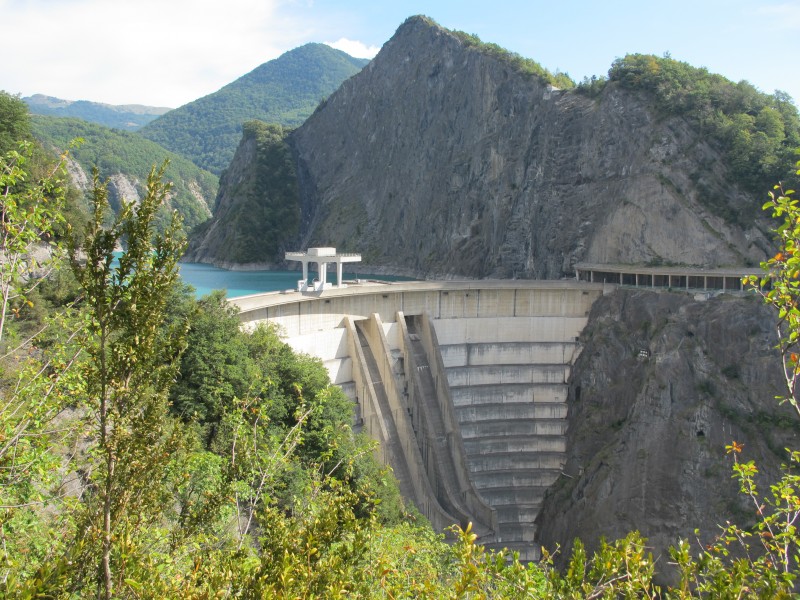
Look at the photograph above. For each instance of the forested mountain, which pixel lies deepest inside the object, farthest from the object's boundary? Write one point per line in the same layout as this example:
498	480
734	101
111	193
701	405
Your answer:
283	91
128	116
447	156
125	159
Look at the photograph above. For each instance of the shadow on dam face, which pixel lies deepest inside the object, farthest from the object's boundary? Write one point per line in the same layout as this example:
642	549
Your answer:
464	384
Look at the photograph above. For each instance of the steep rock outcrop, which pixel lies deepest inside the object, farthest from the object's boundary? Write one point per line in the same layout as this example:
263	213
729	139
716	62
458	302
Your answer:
256	209
441	159
647	435
122	187
77	175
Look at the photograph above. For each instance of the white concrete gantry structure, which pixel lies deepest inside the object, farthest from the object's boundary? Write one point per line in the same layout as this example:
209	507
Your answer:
321	256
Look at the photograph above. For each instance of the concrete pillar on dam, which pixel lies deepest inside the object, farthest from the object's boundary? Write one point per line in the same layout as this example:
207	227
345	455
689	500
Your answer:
499	355
322	257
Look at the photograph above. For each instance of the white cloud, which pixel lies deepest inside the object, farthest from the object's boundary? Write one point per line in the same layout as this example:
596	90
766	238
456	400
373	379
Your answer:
354	48
139	51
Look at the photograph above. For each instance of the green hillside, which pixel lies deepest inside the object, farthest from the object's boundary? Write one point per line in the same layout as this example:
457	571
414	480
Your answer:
284	91
129	117
120	152
758	133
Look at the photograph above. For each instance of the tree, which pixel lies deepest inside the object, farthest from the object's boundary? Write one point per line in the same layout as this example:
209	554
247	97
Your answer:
38	379
132	362
780	285
216	367
14	122
30	213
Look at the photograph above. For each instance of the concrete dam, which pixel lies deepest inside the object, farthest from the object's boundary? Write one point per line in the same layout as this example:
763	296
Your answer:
464	384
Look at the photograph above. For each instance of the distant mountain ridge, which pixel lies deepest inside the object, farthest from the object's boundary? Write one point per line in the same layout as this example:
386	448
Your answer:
129	117
283	91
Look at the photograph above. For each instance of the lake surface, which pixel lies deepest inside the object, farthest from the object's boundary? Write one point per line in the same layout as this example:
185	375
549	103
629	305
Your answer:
205	278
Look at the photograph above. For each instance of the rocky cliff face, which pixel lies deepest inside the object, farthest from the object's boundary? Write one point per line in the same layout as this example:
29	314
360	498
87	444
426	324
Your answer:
647	435
439	159
257	208
210	241
188	196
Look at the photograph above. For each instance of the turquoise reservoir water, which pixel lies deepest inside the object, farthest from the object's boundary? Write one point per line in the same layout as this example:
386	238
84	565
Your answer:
205	278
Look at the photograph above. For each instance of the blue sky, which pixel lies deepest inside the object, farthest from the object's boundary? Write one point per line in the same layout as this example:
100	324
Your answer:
169	52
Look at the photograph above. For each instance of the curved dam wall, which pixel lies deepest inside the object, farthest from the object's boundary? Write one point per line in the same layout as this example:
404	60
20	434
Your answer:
463	383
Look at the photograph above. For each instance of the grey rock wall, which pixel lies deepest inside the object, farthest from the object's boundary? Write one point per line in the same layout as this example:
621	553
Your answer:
438	159
646	436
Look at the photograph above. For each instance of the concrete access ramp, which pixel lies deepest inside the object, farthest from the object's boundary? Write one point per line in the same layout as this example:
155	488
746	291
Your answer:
463	383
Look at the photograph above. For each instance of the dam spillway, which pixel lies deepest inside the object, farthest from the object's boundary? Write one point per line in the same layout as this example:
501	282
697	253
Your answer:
463	383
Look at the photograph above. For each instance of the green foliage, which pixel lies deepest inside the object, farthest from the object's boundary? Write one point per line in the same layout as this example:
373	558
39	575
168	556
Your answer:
230	380
525	66
591	86
14	122
115	152
756	563
40	164
780	285
39	383
222	364
36	382
758	133
30	215
216	367
623	569
285	91
267	210
131	363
